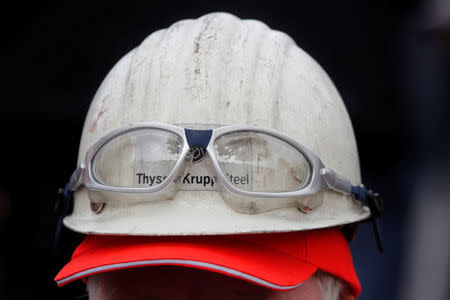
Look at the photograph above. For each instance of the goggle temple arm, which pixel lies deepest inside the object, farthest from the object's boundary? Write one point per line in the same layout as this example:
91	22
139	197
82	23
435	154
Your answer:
373	200
77	178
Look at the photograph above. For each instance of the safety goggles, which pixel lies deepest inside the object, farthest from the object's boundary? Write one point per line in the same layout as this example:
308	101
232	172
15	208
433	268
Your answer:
255	169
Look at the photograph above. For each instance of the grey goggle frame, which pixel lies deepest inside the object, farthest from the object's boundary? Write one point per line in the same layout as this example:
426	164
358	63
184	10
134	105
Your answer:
320	177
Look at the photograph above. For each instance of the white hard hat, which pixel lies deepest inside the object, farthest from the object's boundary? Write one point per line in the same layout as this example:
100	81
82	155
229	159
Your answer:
214	71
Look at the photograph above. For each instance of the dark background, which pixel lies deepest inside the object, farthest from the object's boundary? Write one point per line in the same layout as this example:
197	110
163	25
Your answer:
388	59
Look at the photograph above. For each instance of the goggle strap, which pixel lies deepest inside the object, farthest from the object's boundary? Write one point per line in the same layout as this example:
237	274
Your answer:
375	204
63	203
378	238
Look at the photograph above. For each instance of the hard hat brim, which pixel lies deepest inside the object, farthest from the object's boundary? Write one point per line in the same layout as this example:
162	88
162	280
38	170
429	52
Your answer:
205	213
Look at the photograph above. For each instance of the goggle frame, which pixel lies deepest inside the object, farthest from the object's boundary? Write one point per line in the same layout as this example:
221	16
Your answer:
319	178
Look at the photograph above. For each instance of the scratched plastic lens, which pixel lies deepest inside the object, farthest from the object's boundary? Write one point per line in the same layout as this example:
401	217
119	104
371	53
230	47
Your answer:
139	158
259	162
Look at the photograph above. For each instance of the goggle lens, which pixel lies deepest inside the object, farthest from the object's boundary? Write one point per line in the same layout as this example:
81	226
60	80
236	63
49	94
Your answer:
259	162
151	153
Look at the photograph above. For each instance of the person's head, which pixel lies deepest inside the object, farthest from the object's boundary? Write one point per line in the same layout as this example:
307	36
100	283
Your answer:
216	144
171	282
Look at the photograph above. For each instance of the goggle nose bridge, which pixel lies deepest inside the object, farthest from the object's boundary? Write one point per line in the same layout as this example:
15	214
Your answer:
198	138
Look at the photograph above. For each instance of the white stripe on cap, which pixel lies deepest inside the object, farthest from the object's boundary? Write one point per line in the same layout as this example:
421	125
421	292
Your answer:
193	263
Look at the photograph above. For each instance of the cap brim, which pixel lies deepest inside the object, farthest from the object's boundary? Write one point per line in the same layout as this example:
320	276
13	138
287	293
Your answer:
279	261
228	255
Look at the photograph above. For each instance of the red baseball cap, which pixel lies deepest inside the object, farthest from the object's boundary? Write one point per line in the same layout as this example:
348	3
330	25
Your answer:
279	261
